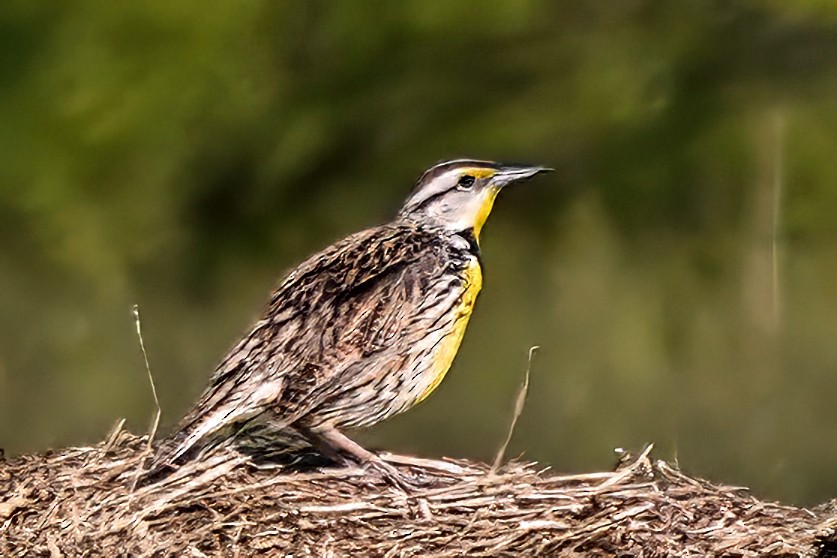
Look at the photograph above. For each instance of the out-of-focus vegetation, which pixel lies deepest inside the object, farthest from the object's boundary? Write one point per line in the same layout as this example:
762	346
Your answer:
679	271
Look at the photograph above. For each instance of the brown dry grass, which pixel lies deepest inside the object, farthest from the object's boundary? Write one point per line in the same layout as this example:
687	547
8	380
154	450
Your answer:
80	502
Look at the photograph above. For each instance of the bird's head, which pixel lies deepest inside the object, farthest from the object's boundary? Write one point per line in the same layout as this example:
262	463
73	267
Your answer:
458	195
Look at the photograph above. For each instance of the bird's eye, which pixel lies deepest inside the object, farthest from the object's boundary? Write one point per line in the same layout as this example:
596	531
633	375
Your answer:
466	182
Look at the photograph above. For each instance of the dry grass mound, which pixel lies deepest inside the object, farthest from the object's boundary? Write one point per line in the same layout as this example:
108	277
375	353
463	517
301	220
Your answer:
85	502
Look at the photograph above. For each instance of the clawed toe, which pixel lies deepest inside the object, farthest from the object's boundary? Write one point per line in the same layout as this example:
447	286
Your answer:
389	474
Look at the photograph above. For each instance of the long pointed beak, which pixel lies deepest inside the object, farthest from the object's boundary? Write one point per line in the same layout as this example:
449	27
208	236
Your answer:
507	175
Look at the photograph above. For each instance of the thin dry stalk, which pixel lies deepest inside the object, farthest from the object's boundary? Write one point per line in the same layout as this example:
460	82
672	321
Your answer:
156	422
519	403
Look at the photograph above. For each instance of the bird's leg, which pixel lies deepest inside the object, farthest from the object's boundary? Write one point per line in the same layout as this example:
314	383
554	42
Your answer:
334	443
324	446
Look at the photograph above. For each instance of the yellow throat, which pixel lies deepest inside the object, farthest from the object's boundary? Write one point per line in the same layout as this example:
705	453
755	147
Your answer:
484	211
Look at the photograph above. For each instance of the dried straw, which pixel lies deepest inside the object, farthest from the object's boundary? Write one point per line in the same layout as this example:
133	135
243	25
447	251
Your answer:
79	502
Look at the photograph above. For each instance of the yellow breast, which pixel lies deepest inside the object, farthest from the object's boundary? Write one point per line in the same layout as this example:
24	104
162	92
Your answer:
446	350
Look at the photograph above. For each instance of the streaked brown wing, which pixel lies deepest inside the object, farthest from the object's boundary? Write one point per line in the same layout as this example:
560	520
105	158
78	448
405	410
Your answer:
374	310
345	302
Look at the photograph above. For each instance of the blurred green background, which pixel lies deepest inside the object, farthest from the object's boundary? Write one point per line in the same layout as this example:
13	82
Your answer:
679	270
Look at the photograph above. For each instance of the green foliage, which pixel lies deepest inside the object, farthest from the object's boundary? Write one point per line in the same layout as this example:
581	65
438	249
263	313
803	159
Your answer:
181	156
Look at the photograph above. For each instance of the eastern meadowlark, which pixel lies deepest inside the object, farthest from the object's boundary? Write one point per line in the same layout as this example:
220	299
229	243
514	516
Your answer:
357	333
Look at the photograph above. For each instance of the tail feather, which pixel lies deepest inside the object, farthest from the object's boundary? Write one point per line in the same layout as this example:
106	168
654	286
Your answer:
219	418
192	436
252	437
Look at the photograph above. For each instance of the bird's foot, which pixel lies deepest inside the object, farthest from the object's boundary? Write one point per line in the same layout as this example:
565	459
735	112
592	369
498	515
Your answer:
338	447
389	473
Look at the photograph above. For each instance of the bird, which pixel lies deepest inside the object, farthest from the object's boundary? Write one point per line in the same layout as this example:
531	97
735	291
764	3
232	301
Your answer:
361	331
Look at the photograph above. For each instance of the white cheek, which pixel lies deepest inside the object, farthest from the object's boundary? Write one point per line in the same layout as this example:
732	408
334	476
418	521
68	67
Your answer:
462	216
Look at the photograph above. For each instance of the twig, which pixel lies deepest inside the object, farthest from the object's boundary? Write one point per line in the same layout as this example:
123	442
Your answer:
518	410
156	422
153	431
113	436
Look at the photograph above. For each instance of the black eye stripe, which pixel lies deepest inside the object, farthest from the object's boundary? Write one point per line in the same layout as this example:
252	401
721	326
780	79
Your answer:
432	198
469	179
